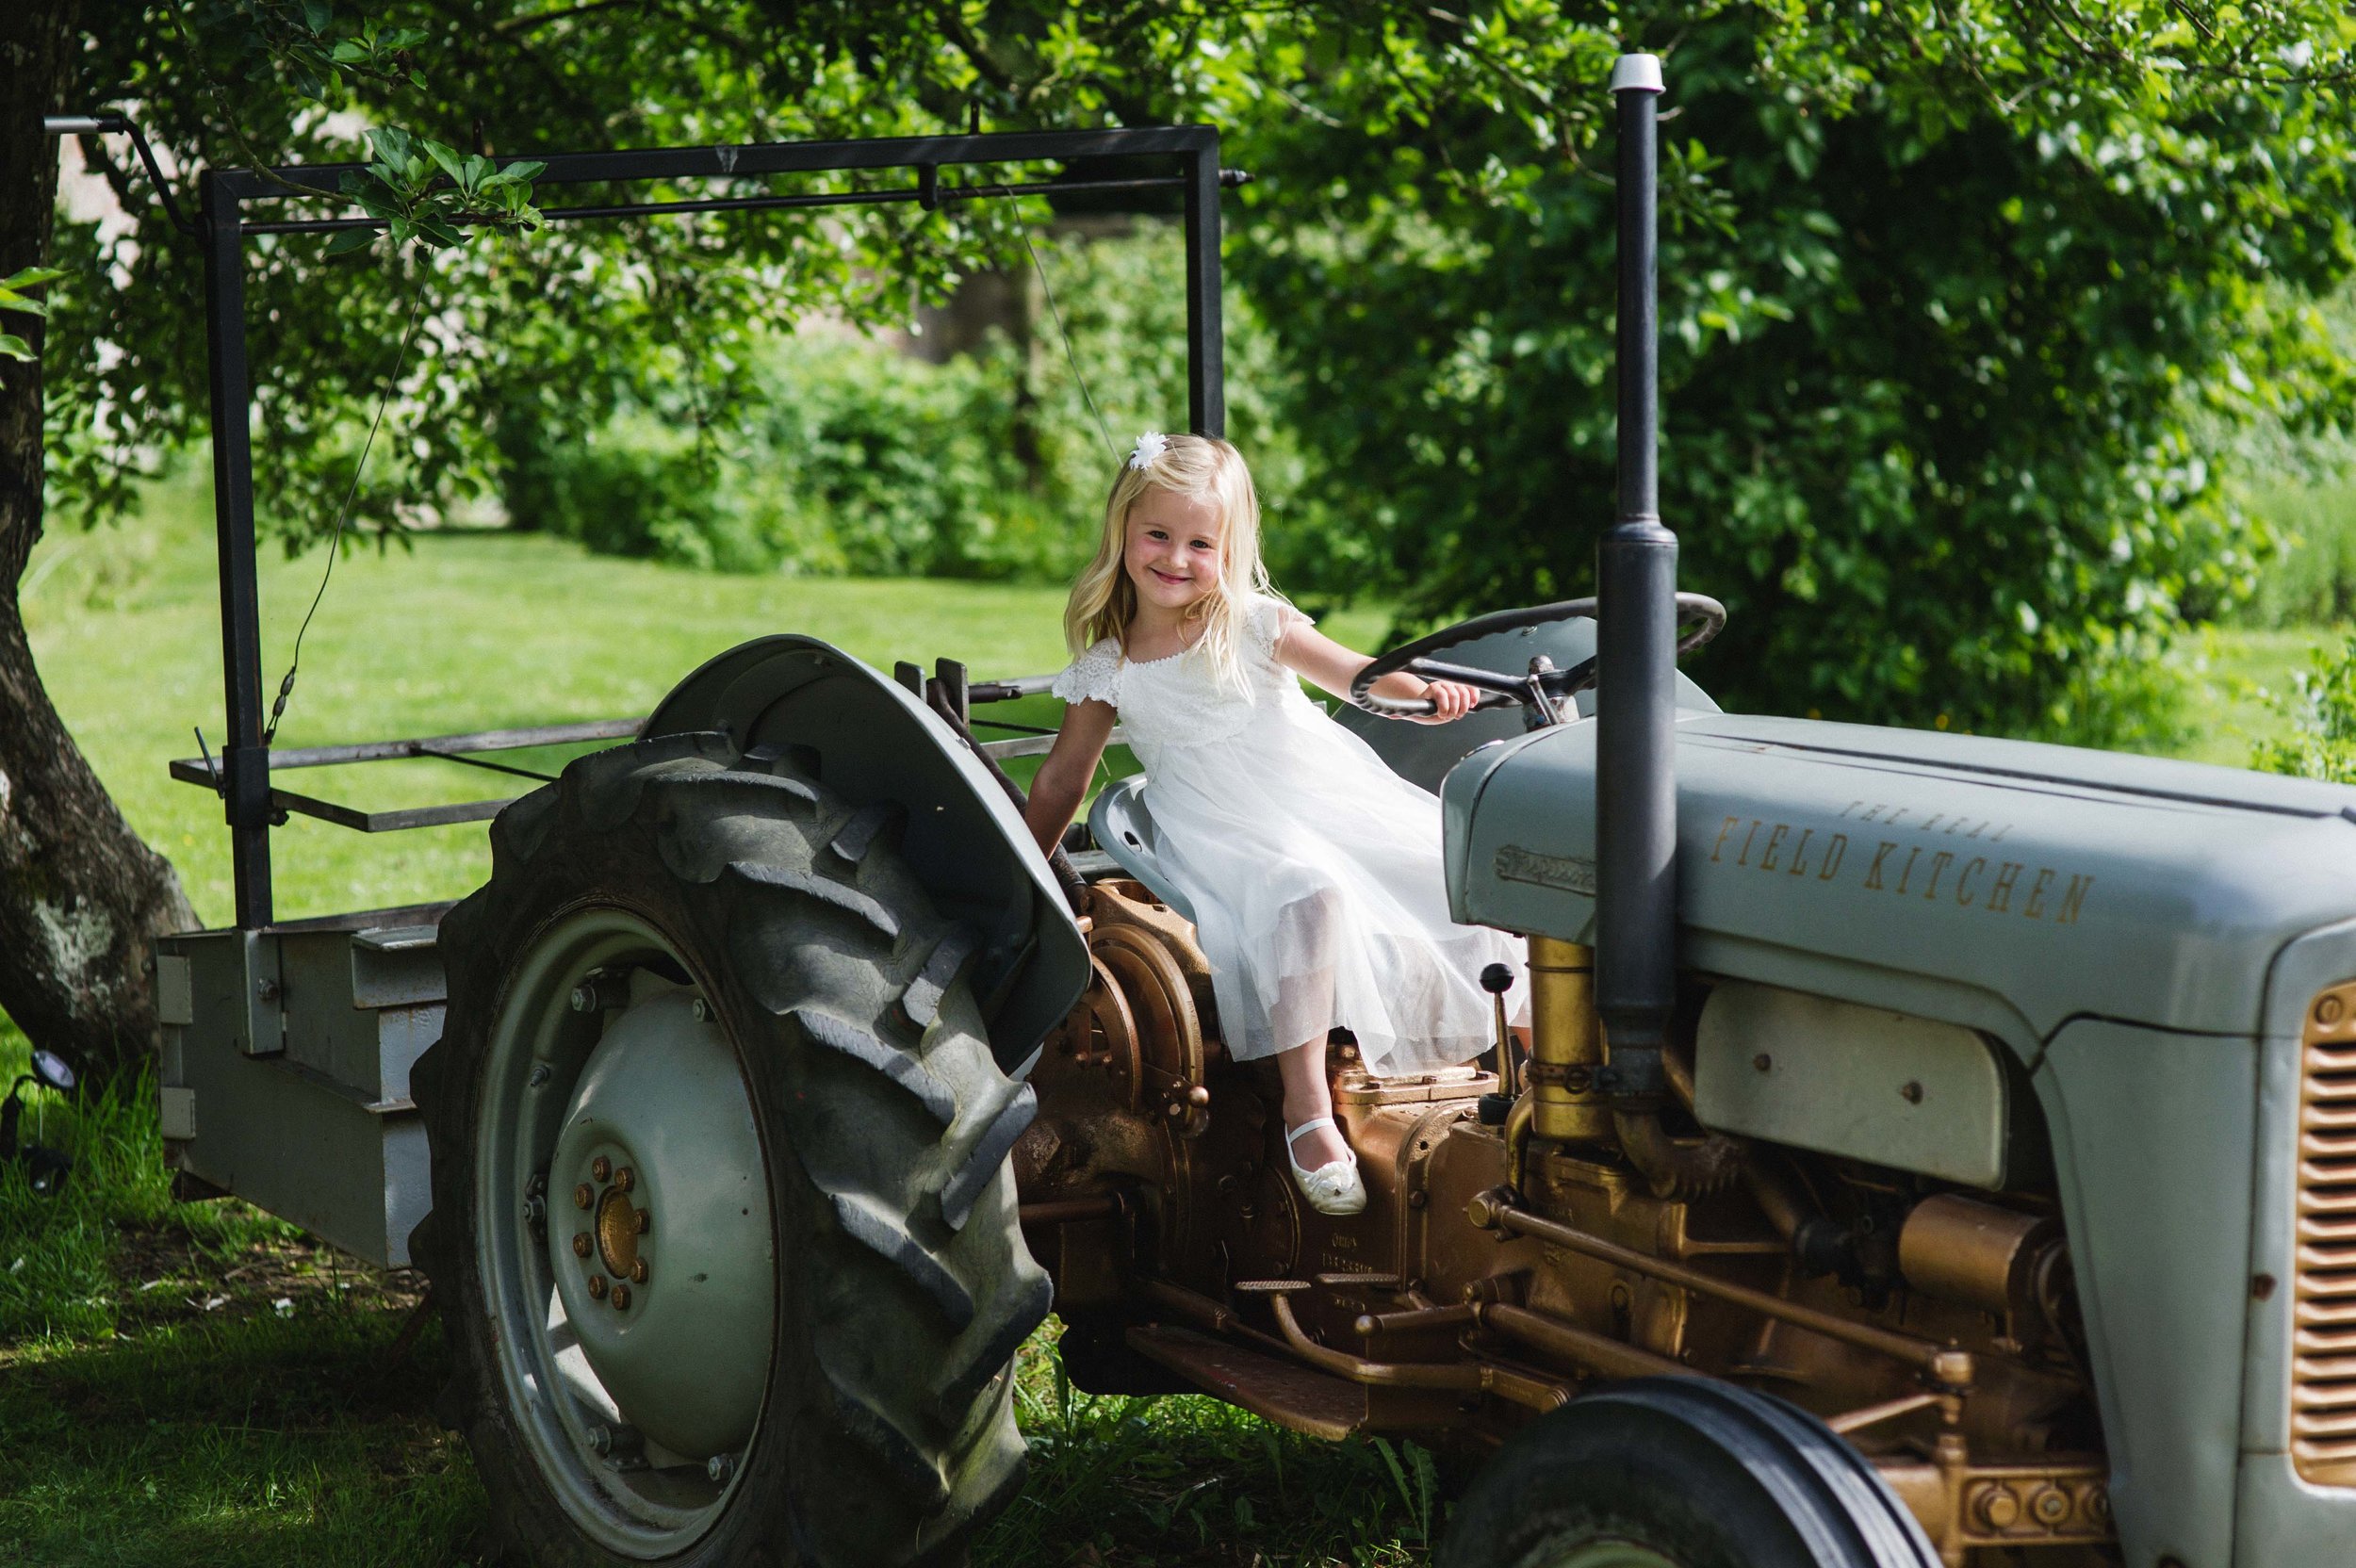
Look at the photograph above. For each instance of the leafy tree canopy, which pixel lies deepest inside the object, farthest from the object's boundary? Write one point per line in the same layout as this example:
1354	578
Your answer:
1961	300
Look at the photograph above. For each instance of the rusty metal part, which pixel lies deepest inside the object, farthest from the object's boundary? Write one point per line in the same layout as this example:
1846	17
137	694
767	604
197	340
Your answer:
2061	1500
1065	1210
583	1196
1566	1043
1874	1415
1520	1121
621	1297
618	1232
1597	1353
1951	1368
1972	1254
597	1286
2323	1283
638	1272
1677	1167
626	1178
583	1245
1467	1376
1369	1324
600	1168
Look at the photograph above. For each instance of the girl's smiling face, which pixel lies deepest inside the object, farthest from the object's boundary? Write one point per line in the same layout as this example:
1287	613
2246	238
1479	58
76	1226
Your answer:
1172	551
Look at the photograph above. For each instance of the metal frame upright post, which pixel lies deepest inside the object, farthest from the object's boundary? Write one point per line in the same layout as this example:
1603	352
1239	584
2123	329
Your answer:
244	779
1206	368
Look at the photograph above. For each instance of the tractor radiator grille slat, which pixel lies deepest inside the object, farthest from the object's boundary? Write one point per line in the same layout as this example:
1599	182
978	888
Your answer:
2323	1363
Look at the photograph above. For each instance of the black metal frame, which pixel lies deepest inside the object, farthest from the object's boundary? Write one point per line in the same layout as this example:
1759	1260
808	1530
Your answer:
242	773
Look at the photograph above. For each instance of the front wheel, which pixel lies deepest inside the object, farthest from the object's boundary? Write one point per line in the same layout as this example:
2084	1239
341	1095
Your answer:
724	1246
1681	1473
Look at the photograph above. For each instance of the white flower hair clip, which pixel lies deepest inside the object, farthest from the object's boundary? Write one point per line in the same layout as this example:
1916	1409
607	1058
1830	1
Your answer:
1150	446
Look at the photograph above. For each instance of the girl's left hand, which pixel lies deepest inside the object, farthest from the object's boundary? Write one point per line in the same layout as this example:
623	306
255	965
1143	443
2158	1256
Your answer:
1451	700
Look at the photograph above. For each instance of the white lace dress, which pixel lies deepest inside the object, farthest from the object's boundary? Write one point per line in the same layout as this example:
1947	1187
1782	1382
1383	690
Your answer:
1315	871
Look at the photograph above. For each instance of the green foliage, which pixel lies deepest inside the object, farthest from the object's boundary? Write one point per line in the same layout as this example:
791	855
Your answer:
56	1251
403	186
15	294
2322	714
2310	577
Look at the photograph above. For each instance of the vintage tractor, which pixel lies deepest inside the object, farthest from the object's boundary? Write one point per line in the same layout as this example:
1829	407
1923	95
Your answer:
1930	1149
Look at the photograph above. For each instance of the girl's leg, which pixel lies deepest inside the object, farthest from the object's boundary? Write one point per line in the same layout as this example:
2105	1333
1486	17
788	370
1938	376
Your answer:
1307	1097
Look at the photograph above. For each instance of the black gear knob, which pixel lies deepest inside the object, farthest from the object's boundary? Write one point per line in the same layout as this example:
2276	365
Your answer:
1498	979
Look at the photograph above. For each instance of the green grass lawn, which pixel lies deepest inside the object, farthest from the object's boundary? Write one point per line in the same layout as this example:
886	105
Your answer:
196	1384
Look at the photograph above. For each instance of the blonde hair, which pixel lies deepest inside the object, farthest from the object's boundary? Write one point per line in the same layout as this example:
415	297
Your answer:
1199	468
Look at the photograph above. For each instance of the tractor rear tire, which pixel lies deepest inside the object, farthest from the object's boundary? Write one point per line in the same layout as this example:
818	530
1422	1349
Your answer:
677	932
1681	1473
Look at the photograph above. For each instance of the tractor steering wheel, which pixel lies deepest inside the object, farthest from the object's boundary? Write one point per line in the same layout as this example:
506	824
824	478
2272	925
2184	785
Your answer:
1544	687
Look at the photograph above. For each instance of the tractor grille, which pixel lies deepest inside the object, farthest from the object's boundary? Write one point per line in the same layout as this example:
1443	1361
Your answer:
2323	1356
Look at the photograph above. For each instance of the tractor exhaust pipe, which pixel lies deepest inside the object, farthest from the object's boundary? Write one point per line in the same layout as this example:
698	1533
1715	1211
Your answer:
1636	693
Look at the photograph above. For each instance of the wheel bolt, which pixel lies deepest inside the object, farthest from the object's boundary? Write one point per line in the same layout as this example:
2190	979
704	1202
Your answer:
720	1467
600	1168
638	1271
702	1010
645	1220
584	999
536	1213
626	1178
600	1439
621	1297
540	1076
581	1244
597	1286
583	1197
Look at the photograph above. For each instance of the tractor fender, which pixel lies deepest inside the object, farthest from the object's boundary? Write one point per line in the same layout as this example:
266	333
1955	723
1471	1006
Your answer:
872	742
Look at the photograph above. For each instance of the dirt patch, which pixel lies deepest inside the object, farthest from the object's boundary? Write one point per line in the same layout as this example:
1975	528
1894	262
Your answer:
165	1275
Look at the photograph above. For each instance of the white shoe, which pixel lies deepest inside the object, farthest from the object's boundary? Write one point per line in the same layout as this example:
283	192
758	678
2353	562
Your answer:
1330	1188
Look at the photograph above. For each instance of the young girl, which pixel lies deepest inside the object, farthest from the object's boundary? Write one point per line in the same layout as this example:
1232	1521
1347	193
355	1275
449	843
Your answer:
1314	871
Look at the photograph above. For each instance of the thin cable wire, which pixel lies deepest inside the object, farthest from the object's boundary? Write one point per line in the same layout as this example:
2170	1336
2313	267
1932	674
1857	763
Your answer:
335	543
1063	334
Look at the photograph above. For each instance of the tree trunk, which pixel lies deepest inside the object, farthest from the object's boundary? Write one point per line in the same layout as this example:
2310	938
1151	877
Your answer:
80	895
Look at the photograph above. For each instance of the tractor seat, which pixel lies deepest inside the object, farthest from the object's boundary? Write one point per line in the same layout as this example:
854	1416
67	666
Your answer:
1123	829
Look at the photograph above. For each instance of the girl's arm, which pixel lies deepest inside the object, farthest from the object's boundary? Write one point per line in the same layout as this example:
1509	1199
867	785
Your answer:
1063	778
1305	650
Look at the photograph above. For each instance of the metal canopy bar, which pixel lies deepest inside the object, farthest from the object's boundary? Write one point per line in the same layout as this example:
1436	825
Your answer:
196	770
939	197
776	157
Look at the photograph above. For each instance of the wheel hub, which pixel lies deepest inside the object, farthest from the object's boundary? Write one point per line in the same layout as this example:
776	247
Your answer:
663	1265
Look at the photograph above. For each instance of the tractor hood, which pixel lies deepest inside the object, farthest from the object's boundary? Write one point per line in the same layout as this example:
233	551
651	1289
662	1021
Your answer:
2025	884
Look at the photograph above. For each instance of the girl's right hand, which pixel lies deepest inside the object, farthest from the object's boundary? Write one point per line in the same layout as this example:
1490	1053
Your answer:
1451	700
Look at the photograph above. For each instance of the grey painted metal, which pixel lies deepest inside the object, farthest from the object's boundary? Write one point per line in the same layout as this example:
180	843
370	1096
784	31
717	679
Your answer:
317	1125
1635	702
876	741
2277	1517
2144	934
1864	1083
1123	825
1206	367
245	761
1997	884
540	1062
662	1098
195	770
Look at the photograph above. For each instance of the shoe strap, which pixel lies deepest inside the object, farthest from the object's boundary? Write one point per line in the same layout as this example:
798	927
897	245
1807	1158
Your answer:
1293	1136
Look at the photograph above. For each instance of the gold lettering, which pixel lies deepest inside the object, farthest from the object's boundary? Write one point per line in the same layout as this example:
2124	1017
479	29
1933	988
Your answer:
2075	895
1871	814
1745	858
1909	871
1774	842
1873	872
1723	832
2000	897
1963	881
1851	806
1937	817
2035	905
1938	866
1833	852
1799	851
